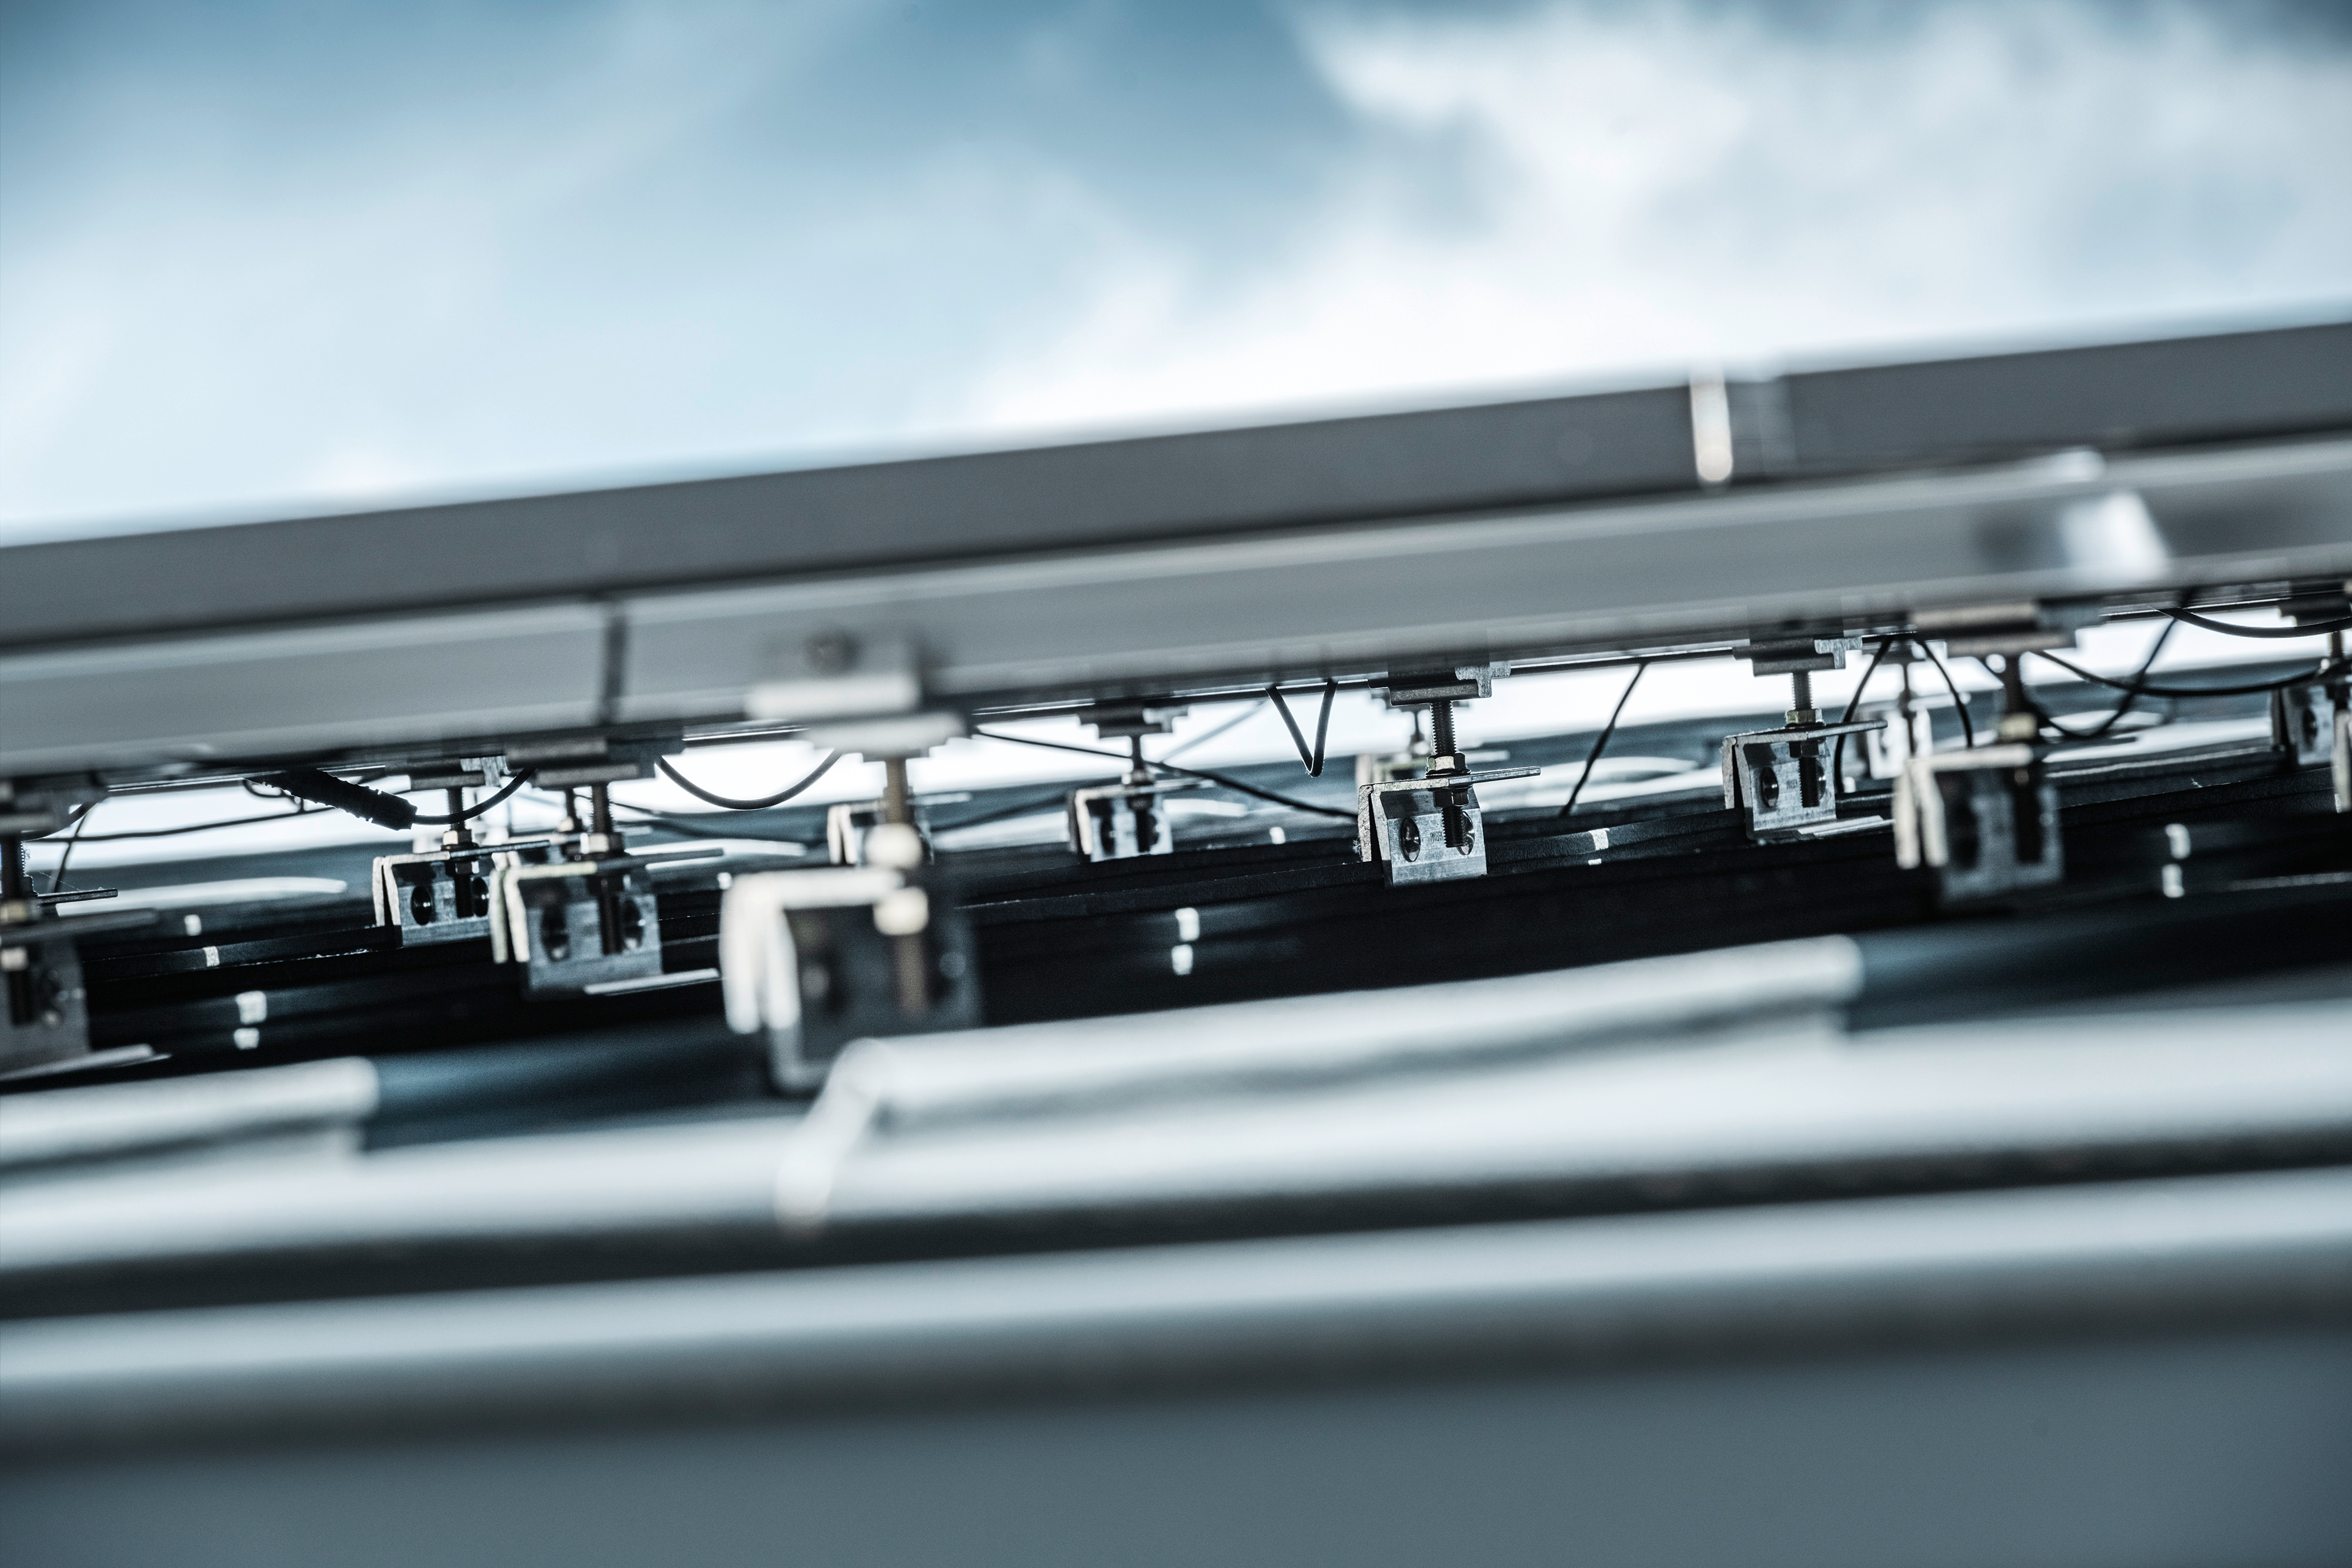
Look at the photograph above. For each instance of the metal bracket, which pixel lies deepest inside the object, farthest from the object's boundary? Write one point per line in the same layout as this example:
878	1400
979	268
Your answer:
2302	723
849	824
1419	688
2024	627
575	925
2340	759
445	896
1122	822
1787	657
1119	720
44	1007
815	959
1782	777
1889	749
1986	820
1428	828
2313	724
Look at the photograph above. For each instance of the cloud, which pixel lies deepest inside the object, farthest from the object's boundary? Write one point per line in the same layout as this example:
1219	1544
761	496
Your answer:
1573	190
252	266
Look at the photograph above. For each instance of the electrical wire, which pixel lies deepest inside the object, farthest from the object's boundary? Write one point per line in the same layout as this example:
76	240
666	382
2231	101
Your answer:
1968	725
1314	764
57	877
2143	689
1218	778
454	818
2315	629
1022	807
1235	722
194	828
1837	747
762	803
301	808
702	829
1601	742
2130	698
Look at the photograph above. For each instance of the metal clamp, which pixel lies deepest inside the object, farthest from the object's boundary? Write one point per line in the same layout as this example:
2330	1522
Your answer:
1428	828
575	925
1986	821
1782	777
1122	821
44	1007
815	959
445	896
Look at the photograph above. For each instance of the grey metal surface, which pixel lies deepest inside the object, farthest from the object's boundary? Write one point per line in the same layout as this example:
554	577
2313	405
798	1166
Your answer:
1519	585
2225	1446
2105	1375
1859	1269
1082	1065
1109	493
1771	1104
858	516
363	682
111	1120
1333	600
2121	394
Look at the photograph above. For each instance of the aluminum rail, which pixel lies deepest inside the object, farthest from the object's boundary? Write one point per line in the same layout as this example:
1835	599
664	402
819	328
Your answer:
1598	1287
1695	567
1654	440
1777	1104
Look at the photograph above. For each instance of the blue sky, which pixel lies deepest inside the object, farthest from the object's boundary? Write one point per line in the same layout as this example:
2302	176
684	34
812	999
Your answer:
261	258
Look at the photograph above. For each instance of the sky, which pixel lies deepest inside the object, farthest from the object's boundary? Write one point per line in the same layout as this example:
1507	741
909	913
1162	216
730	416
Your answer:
260	258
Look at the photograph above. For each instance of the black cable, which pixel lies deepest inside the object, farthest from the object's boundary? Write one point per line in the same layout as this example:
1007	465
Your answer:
2130	698
762	803
321	788
1837	747
1236	785
2315	628
1235	722
453	819
1314	764
300	809
2144	689
196	826
1968	725
1233	784
703	830
1021	807
1601	742
57	878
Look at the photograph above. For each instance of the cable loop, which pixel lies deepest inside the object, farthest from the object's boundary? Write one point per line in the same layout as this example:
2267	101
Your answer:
1313	762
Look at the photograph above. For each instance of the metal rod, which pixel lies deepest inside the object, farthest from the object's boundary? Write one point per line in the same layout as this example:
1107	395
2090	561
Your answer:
896	804
1440	727
910	953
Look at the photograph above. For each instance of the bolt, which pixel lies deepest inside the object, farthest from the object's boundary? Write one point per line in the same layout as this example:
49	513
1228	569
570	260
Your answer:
1802	715
1440	727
